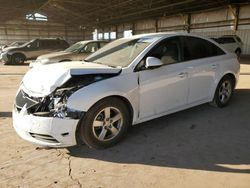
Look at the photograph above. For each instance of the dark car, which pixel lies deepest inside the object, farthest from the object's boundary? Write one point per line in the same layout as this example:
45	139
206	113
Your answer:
31	50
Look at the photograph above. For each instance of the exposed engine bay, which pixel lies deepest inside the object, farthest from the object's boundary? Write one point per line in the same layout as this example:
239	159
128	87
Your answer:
55	104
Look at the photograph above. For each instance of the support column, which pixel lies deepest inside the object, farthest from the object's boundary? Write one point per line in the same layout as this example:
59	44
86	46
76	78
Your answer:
156	26
188	23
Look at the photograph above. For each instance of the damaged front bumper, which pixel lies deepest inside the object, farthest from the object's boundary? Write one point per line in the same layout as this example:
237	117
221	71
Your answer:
45	131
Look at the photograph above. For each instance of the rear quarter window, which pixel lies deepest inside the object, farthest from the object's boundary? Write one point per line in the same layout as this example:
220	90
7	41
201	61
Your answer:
226	40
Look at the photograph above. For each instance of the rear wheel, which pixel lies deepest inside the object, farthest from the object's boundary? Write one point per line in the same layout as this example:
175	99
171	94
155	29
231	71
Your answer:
17	59
105	123
224	92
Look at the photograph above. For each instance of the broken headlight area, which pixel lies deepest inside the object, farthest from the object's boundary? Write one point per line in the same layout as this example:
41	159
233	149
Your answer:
55	104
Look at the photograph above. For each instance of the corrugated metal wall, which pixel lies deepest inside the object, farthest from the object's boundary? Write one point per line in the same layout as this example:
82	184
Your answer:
27	30
213	23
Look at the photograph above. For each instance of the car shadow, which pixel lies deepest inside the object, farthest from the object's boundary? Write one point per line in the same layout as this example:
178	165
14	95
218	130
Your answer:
5	114
202	138
23	64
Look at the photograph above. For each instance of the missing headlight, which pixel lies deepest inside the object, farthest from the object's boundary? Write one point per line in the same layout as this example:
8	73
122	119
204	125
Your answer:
55	104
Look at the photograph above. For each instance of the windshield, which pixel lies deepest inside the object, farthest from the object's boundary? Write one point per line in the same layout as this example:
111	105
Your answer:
76	47
25	44
121	52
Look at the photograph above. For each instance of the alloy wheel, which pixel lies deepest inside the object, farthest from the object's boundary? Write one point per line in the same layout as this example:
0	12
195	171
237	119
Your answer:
225	91
107	124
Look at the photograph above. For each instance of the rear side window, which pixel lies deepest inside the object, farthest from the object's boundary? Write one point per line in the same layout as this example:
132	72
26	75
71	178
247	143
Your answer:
238	38
197	48
48	44
226	40
168	51
53	44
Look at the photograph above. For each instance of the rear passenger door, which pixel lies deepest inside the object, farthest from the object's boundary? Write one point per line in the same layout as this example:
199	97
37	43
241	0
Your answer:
203	57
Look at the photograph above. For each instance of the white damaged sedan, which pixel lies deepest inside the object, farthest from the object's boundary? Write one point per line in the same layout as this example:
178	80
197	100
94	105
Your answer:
127	82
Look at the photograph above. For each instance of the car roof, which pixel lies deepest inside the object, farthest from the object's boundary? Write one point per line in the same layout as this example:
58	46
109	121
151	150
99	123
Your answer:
167	34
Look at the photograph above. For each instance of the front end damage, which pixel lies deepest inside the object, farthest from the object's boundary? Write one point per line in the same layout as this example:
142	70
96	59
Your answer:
47	120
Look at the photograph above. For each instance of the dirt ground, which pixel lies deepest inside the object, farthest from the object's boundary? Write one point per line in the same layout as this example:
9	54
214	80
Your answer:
200	147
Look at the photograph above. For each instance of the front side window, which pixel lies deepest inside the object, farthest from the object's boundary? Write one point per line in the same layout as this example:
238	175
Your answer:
91	47
168	51
33	44
197	48
121	52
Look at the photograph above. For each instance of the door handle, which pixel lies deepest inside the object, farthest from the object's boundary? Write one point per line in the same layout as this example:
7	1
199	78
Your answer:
182	74
214	66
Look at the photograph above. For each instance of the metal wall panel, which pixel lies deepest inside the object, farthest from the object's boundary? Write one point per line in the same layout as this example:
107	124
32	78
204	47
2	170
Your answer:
24	31
212	16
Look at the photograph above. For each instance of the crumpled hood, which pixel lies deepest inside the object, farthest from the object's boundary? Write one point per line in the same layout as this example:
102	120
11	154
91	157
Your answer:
54	54
43	80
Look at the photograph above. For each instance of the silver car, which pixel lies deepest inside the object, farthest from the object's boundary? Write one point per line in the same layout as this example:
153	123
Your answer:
31	50
76	52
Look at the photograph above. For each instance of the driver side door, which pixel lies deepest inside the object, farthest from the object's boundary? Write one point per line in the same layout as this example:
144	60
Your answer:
163	89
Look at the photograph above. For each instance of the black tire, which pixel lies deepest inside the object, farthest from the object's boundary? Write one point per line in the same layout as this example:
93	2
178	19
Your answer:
88	132
17	59
218	96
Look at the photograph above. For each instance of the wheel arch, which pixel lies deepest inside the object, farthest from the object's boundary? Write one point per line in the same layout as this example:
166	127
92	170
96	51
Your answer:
230	74
122	98
18	53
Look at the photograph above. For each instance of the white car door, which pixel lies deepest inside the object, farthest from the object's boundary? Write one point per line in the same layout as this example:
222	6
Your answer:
203	58
164	88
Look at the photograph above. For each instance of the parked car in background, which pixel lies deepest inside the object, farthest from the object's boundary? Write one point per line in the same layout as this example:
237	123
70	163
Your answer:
31	50
231	43
76	52
128	81
11	45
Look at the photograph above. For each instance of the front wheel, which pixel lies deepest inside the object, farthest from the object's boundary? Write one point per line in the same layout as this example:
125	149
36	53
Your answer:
224	92
105	123
17	59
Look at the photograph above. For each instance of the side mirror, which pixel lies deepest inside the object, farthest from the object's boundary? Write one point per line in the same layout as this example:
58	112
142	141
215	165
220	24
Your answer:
28	46
153	62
